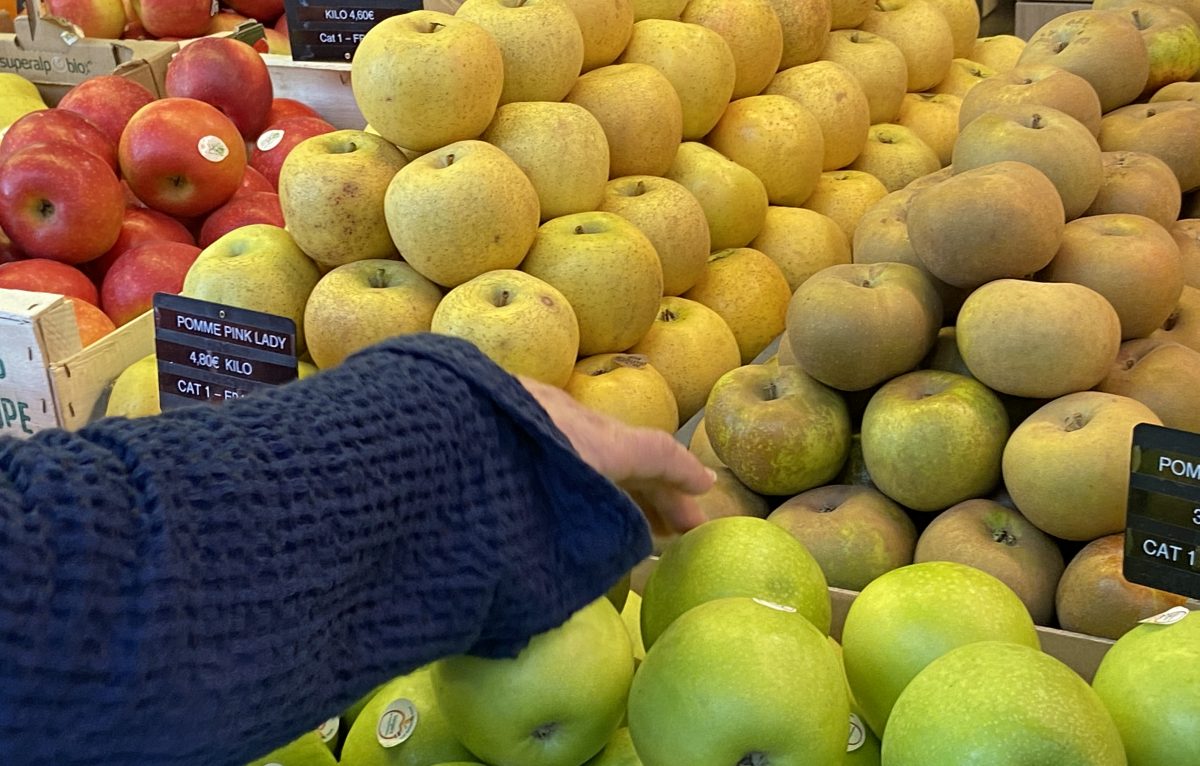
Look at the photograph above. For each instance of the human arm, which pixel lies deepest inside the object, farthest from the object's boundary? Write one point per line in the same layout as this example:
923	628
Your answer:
201	586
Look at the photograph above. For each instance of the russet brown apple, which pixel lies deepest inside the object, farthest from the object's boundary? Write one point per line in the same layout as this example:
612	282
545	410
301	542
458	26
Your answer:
1162	375
1129	259
1183	325
1162	129
1043	84
1139	183
1102	47
1186	232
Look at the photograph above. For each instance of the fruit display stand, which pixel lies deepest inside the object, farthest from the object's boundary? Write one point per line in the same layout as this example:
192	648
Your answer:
46	379
54	57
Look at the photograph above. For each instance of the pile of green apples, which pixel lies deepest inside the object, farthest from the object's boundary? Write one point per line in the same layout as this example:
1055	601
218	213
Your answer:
725	658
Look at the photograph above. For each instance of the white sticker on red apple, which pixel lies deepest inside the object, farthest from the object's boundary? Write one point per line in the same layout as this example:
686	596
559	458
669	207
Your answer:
858	734
396	723
216	8
212	149
269	140
775	606
329	729
1169	617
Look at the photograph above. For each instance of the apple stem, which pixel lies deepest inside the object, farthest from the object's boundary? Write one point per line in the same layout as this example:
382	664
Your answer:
448	160
46	208
754	759
640	189
666	315
379	278
1036	121
1004	536
1075	422
1137	19
579	229
1171	321
435	26
770	392
501	298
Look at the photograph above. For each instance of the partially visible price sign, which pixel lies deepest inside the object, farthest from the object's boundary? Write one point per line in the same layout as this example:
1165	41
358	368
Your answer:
330	30
1162	534
209	353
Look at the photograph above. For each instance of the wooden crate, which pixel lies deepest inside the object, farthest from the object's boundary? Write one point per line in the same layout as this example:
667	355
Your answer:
325	86
46	379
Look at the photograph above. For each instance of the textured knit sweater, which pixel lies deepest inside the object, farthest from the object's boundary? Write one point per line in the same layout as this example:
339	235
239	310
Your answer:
203	586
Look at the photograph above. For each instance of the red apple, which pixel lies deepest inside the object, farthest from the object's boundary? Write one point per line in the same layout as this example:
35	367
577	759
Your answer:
182	156
108	101
244	209
49	125
277	141
281	24
61	202
155	267
282	108
228	74
253	181
93	324
175	18
97	18
139	226
266	11
42	275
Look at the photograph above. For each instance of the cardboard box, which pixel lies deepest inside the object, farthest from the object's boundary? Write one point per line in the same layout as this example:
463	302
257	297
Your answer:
54	55
46	379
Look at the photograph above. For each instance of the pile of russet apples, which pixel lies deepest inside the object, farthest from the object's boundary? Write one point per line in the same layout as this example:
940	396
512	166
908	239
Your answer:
172	19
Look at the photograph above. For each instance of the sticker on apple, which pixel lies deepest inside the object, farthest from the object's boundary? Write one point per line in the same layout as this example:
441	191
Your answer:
1169	617
775	606
269	140
329	729
396	723
858	734
212	149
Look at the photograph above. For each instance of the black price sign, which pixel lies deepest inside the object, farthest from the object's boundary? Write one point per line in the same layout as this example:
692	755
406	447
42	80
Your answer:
209	353
330	30
1162	534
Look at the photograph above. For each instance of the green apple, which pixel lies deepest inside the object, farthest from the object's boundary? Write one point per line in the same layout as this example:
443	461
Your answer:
987	535
671	218
426	79
997	702
640	112
740	681
852	326
402	725
618	752
626	387
561	147
780	430
331	191
540	41
134	393
609	272
462	210
855	533
696	60
307	750
257	267
1150	682
555	704
1066	466
734	199
931	439
1172	42
733	556
520	322
692	347
910	616
360	303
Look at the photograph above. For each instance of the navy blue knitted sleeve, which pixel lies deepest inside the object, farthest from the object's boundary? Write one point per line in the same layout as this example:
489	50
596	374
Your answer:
201	587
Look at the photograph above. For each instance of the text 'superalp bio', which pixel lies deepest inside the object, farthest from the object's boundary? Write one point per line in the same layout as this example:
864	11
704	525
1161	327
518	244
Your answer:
1162	535
208	352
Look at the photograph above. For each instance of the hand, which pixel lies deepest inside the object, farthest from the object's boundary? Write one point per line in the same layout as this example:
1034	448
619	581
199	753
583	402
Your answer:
656	470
